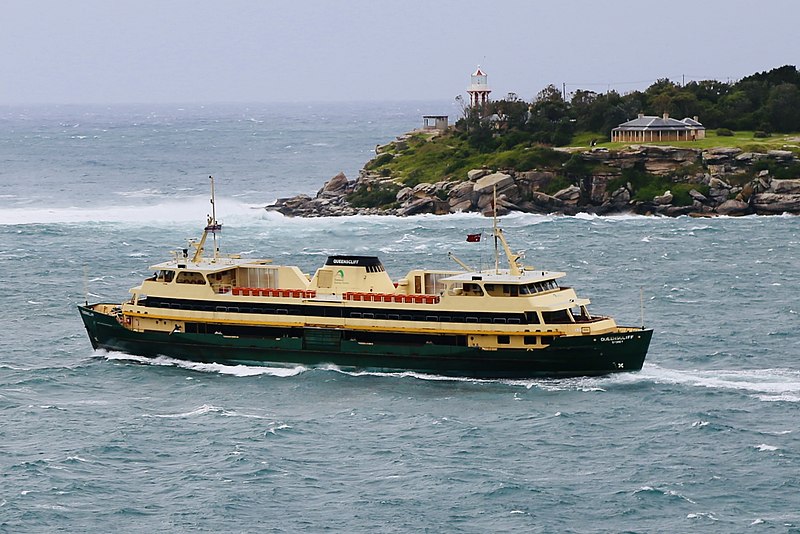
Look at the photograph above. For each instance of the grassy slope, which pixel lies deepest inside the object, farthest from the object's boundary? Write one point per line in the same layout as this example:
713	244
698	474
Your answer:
742	140
449	158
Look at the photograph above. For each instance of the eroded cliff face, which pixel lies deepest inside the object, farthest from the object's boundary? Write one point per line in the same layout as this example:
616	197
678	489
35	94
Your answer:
724	181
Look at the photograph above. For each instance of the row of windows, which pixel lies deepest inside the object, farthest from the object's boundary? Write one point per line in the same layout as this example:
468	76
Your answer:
528	340
556	317
436	318
334	335
358	336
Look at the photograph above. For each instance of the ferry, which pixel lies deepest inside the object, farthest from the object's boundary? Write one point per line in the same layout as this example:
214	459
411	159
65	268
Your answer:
512	321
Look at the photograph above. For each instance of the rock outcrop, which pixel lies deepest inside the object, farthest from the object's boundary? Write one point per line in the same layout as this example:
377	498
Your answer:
729	182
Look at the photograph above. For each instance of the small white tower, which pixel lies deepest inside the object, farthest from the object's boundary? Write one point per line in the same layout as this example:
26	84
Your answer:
478	89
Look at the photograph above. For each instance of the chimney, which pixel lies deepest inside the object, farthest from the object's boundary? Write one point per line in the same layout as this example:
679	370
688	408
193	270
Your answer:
696	118
641	115
666	115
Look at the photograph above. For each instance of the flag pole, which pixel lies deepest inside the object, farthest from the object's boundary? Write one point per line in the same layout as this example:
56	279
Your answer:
494	216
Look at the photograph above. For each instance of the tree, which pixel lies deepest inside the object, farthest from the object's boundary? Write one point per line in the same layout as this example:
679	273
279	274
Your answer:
782	109
549	94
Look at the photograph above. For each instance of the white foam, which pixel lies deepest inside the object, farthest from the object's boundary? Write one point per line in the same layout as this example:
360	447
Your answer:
701	515
202	410
764	384
765	448
187	210
233	370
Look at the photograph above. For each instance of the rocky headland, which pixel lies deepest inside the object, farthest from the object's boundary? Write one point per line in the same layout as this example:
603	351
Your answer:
682	180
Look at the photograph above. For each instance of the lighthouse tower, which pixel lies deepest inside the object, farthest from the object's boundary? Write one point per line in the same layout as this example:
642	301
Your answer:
478	89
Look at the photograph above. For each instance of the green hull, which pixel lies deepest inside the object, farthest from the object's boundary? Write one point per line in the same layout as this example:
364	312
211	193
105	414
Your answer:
565	356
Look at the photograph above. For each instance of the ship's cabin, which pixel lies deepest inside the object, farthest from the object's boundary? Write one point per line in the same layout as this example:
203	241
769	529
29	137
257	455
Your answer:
221	275
342	274
532	290
501	284
425	282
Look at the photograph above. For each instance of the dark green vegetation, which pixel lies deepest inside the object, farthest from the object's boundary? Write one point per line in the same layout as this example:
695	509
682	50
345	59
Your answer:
646	186
421	159
383	194
512	134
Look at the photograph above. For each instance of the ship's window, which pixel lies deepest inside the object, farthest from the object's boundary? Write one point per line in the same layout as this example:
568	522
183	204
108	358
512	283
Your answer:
431	318
531	317
405	318
380	316
444	318
546	340
221	309
513	320
165	276
530	340
190	277
580	314
417	284
503	340
433	283
257	277
556	317
233	309
368	316
393	317
473	289
355	315
499	320
282	311
472	319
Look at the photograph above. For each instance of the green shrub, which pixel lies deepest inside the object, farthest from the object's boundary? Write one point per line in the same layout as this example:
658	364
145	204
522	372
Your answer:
379	195
379	161
680	193
724	132
556	184
761	134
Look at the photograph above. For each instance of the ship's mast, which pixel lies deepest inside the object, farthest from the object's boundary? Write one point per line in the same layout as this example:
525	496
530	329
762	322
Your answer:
514	268
212	226
494	232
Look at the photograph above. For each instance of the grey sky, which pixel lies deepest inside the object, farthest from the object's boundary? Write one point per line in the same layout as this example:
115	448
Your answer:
100	51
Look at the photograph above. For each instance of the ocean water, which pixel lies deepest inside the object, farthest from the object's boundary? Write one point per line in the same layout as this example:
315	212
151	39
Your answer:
705	438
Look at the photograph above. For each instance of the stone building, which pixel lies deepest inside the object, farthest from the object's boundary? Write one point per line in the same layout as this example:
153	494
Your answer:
646	128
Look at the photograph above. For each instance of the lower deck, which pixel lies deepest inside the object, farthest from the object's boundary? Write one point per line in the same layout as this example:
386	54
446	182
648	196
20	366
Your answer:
440	353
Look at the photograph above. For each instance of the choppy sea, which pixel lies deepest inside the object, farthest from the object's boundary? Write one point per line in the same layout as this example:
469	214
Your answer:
705	438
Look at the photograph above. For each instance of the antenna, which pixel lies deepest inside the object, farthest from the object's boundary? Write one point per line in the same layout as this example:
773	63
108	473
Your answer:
85	285
641	304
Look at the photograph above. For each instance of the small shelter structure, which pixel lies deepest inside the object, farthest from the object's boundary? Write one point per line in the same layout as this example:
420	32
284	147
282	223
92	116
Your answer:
646	128
434	122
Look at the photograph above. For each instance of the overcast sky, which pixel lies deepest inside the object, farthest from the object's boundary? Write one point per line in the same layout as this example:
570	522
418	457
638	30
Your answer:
187	51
